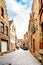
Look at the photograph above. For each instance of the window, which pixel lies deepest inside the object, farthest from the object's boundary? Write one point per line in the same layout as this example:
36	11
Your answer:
42	26
2	12
12	28
1	27
6	30
33	14
33	45
31	41
42	1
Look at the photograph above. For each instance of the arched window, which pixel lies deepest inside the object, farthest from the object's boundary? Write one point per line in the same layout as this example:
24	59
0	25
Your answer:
2	12
6	30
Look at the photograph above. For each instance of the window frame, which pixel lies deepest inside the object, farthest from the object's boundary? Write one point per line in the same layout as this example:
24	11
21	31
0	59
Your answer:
2	12
6	30
2	27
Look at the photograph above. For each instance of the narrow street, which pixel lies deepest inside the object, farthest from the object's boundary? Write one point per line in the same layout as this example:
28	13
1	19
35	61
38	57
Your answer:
19	57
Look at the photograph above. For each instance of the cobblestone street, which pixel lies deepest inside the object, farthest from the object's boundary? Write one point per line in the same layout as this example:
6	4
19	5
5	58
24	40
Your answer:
19	57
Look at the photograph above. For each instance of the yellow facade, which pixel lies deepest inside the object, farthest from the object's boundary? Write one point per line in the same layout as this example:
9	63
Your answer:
4	28
36	28
26	39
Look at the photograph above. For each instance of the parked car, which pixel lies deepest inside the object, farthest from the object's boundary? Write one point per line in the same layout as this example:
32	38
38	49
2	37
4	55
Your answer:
24	48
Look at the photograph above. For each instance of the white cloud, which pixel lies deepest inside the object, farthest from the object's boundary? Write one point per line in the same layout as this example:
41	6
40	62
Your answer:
22	19
24	0
12	5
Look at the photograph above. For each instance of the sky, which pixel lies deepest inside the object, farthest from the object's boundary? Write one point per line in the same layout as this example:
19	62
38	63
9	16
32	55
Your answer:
19	11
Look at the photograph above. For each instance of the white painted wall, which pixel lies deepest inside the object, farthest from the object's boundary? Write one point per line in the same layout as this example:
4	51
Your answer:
12	34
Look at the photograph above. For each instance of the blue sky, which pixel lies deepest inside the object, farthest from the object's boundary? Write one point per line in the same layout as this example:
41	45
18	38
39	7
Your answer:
19	10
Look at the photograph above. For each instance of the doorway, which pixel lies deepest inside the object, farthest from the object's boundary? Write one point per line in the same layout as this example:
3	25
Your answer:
42	27
33	46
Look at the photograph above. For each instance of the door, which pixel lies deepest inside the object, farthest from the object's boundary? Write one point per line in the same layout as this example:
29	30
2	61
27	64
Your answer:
3	46
42	27
33	46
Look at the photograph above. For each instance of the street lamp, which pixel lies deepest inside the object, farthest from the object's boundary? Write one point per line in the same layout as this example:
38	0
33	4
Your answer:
34	28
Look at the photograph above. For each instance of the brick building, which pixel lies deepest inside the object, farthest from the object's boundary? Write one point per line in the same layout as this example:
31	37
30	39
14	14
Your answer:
36	28
4	28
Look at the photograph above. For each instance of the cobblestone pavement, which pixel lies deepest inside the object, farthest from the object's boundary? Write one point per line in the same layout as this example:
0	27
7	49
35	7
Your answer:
19	57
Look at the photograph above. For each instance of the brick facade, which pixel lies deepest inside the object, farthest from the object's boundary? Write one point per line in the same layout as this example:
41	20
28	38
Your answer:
36	28
4	27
